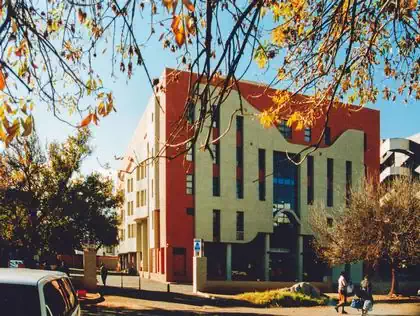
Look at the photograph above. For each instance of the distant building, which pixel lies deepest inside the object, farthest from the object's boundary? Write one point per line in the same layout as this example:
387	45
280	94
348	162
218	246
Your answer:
248	203
400	157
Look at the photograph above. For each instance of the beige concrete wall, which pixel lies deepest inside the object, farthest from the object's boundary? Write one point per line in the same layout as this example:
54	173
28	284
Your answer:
258	214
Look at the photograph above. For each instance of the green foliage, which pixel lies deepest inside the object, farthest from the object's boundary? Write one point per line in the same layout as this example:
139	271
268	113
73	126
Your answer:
281	297
47	206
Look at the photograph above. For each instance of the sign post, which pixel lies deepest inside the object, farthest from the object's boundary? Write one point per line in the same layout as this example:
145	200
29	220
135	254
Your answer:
198	247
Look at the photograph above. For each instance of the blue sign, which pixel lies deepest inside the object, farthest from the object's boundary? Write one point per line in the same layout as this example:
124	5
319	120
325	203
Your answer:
197	246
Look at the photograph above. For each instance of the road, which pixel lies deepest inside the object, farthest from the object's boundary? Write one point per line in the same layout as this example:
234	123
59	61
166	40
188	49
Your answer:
404	309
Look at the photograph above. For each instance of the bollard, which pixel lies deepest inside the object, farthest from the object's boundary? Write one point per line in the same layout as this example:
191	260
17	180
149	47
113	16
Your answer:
122	282
168	287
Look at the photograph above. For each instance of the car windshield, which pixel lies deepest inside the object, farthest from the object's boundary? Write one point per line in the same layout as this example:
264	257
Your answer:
19	300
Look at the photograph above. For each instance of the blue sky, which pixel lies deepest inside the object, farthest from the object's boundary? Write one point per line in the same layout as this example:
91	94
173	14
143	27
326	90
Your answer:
114	132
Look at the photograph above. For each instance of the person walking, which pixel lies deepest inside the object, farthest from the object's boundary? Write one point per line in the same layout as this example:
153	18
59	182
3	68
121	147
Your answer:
104	273
366	295
342	293
64	268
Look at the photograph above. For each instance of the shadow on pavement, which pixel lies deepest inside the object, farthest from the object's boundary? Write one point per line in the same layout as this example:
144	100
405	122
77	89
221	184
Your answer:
100	310
179	298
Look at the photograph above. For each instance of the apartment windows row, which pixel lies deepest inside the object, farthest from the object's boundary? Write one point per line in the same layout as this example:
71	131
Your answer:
131	230
130	208
141	198
130	185
141	171
287	133
240	225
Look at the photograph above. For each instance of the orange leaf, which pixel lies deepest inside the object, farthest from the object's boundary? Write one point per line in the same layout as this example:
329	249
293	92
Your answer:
180	36
170	4
2	81
188	4
175	23
189	22
86	121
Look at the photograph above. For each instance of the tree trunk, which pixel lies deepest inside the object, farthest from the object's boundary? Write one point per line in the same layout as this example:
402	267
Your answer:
394	287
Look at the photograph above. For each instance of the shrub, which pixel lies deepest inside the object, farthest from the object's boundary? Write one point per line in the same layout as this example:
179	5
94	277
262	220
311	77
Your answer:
281	297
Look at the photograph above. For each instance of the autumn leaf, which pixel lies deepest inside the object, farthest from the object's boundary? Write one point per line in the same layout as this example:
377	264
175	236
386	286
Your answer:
27	126
2	81
170	4
86	121
12	130
95	119
188	4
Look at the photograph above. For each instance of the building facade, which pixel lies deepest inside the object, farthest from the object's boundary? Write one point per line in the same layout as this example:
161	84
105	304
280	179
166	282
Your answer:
400	156
248	203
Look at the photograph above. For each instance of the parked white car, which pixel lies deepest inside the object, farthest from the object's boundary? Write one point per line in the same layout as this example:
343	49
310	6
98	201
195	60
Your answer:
27	292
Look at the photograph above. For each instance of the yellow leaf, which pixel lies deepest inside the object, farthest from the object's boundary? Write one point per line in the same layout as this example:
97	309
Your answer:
27	126
2	134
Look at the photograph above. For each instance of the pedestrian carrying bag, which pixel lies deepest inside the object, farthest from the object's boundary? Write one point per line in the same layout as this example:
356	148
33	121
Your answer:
350	288
356	303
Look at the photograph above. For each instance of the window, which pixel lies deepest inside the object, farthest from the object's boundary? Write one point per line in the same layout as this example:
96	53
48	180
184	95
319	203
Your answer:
138	199
240	225
216	116
261	174
142	170
216	225
190	211
329	222
138	173
56	299
190	184
216	153
128	209
330	179
190	152
239	123
143	198
327	136
239	157
349	168
285	130
310	178
216	186
190	114
239	189
152	188
308	134
128	186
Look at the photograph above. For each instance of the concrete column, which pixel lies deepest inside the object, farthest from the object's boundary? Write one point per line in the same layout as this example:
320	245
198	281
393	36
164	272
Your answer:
199	274
89	267
299	255
267	258
229	262
144	246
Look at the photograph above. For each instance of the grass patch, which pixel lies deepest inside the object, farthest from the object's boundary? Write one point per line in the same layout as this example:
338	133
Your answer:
274	298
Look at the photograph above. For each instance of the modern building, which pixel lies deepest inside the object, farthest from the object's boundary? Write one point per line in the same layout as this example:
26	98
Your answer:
400	156
248	203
